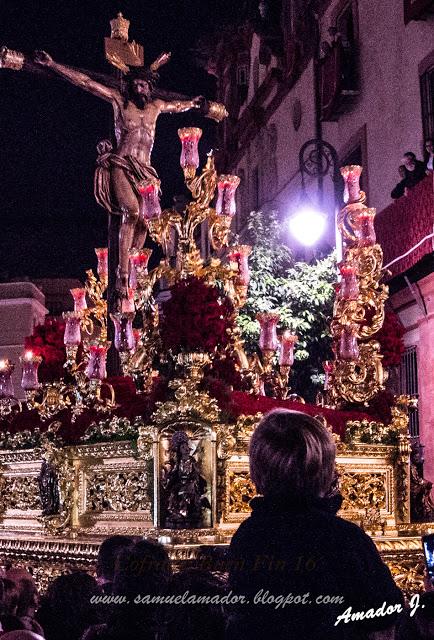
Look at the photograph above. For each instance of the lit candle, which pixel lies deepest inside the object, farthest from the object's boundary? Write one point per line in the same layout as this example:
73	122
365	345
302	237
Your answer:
348	346
268	337
96	367
239	258
287	343
79	296
138	265
30	365
102	268
349	286
72	335
189	137
351	175
124	337
6	384
150	207
365	230
227	186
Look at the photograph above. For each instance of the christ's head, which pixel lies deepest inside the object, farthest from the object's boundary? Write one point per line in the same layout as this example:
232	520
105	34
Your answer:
140	84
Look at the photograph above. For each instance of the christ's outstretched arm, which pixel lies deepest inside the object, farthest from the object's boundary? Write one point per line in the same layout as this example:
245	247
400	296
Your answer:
76	77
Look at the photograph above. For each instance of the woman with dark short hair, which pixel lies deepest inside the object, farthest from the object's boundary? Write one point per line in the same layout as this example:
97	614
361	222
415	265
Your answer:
300	567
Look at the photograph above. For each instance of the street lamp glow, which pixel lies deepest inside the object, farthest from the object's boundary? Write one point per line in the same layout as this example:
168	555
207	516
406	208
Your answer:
307	226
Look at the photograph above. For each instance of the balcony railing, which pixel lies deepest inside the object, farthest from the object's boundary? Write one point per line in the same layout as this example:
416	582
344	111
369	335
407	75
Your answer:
403	225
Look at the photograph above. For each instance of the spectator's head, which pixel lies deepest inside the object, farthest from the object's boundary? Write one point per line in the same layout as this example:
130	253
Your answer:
9	597
66	610
107	554
401	170
141	568
292	455
27	591
409	160
200	621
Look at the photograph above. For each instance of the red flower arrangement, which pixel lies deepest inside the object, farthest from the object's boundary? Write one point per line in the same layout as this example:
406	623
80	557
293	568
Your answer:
390	339
196	317
47	341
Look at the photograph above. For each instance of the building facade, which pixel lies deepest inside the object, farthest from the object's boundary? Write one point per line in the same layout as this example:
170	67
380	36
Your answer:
359	75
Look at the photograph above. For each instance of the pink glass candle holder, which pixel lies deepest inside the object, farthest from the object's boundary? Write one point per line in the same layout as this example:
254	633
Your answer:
6	384
124	337
150	207
328	367
268	340
72	335
349	286
227	186
351	175
79	296
102	267
30	365
287	344
96	366
348	346
365	231
239	258
138	265
189	137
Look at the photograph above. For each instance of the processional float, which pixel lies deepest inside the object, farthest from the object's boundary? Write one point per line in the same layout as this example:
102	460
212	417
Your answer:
182	475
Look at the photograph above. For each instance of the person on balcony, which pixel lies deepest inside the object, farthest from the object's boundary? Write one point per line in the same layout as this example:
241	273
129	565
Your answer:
429	154
399	190
415	170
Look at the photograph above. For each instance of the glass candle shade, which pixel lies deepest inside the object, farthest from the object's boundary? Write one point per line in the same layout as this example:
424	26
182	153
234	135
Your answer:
72	335
328	367
365	231
96	366
150	207
102	267
351	175
6	384
138	264
349	285
348	346
189	137
268	340
124	337
239	257
30	365
227	186
79	296
287	343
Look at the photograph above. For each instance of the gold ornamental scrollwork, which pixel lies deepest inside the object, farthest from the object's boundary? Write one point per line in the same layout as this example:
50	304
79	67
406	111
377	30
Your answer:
118	491
357	375
241	491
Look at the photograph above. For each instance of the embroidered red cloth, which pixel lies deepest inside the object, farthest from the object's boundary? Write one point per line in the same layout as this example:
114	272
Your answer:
406	222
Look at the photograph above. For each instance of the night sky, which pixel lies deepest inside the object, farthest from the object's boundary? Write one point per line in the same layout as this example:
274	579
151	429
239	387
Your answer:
50	222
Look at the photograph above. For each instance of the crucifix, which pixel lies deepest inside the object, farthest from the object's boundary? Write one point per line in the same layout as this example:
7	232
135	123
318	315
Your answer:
124	170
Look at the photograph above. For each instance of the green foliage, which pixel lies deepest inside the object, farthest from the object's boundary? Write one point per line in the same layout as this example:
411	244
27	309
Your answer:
301	293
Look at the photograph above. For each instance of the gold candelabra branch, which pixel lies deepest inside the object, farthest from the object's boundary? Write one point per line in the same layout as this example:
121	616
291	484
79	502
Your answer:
357	374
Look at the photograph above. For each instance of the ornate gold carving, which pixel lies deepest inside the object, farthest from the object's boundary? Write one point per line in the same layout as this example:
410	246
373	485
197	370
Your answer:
20	492
362	490
118	491
232	439
359	379
241	491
